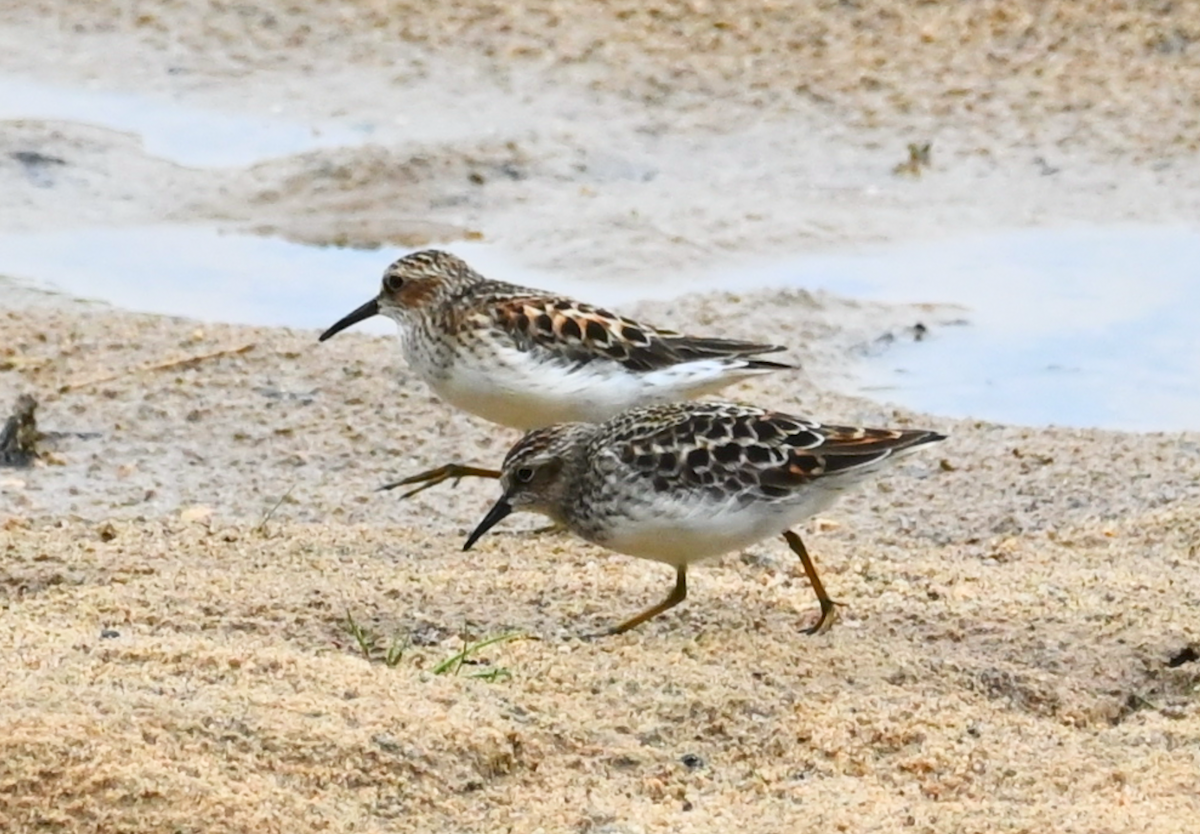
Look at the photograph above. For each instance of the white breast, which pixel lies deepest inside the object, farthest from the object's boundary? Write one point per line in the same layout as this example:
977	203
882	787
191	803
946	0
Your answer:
513	388
680	533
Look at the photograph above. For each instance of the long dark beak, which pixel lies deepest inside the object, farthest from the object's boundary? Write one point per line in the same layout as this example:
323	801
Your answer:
371	308
495	515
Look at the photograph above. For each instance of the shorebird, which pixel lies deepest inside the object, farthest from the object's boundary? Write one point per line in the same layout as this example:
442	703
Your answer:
689	481
525	358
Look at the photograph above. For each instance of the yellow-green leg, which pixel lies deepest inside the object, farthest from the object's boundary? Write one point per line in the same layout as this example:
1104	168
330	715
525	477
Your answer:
677	595
433	477
828	613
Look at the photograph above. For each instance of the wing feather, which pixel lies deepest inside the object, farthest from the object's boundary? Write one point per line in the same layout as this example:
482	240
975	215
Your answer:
741	449
583	333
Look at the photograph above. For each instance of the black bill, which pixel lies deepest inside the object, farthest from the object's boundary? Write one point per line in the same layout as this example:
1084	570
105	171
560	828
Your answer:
371	308
495	515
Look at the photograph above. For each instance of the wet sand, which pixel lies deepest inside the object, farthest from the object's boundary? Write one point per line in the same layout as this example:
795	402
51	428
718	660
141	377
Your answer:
1017	646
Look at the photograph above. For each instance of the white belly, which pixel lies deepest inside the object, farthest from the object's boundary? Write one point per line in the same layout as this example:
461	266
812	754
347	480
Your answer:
532	398
681	534
513	389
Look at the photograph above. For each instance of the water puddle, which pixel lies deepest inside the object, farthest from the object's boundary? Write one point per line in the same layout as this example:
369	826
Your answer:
199	272
1091	327
1086	327
190	136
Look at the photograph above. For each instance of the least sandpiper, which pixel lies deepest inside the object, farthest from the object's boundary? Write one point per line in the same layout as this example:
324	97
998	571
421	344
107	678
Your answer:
684	482
526	359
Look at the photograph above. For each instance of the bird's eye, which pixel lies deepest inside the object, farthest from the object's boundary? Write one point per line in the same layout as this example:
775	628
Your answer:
393	282
524	475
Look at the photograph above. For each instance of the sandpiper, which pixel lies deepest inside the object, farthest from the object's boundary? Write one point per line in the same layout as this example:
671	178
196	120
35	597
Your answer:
526	359
688	481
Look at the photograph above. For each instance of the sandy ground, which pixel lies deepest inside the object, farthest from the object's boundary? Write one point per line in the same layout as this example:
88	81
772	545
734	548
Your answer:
1018	647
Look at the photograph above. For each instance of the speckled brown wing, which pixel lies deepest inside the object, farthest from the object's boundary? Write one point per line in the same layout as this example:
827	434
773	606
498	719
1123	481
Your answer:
582	333
748	452
840	450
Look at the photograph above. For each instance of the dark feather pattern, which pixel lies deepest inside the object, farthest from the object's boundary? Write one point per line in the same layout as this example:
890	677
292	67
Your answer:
733	449
583	333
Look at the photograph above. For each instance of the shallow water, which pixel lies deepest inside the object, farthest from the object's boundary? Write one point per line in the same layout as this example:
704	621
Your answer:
1083	327
199	272
1078	326
192	136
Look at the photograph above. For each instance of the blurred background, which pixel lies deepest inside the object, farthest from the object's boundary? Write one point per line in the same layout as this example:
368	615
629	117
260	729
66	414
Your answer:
1027	170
